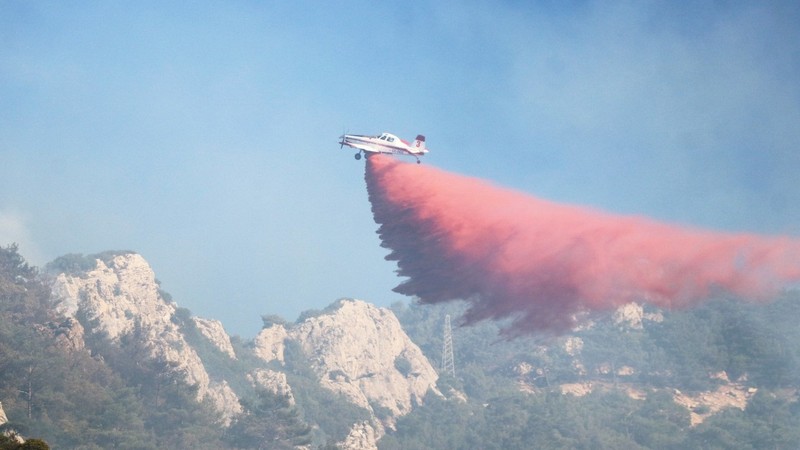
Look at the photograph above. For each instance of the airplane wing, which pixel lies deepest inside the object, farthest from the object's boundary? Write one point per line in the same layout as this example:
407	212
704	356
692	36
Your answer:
364	147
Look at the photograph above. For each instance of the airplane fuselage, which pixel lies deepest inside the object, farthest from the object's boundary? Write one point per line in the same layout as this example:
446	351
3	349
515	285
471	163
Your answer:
384	143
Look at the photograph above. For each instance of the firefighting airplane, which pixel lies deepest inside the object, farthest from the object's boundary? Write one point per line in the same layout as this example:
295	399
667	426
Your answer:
384	143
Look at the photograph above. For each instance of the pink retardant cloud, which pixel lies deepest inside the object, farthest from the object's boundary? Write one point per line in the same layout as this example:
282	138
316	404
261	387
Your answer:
510	254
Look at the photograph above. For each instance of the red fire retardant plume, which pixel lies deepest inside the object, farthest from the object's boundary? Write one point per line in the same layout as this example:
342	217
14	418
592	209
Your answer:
540	263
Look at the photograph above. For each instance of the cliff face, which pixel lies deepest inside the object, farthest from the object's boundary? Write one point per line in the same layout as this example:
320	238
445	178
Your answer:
120	297
355	349
214	332
116	295
360	351
270	343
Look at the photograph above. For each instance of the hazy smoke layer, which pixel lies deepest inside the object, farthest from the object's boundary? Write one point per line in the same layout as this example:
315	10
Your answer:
514	255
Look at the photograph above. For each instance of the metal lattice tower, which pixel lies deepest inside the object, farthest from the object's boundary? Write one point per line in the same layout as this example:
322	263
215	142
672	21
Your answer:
448	363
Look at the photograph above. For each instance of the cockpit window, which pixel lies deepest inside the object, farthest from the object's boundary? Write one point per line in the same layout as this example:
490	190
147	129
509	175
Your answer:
390	139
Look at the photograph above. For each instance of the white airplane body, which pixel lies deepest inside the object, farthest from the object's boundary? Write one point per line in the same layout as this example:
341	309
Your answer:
384	143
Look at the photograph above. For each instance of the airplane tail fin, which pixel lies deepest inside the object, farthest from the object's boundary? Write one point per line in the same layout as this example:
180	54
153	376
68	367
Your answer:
419	144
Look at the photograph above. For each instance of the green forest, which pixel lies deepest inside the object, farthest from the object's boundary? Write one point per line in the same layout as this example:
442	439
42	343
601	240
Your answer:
756	344
506	393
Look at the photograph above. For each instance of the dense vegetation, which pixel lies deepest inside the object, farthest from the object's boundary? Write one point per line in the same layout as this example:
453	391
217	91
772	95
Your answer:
759	345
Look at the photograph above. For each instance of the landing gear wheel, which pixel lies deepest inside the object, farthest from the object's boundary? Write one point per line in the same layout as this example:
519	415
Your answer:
358	156
419	162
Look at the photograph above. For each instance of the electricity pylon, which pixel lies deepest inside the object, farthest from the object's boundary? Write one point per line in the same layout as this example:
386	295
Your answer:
448	363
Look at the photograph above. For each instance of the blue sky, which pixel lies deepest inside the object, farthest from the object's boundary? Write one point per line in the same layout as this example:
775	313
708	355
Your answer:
204	135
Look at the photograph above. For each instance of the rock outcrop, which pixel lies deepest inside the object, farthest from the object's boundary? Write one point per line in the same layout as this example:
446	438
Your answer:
361	437
355	349
214	332
67	334
362	352
269	344
224	400
705	404
634	316
272	381
120	297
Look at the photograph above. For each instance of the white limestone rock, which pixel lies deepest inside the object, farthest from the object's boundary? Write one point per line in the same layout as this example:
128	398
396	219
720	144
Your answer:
225	400
362	436
213	330
362	352
273	381
573	345
269	344
633	316
358	350
120	297
116	296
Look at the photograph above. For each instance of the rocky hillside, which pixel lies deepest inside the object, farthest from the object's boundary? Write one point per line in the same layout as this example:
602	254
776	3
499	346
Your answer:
360	351
356	351
120	298
96	355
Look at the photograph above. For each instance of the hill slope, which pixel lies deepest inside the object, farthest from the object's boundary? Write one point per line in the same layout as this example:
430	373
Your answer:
93	354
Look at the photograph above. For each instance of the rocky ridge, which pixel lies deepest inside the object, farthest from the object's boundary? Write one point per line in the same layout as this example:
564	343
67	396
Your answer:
355	349
362	352
120	297
214	332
